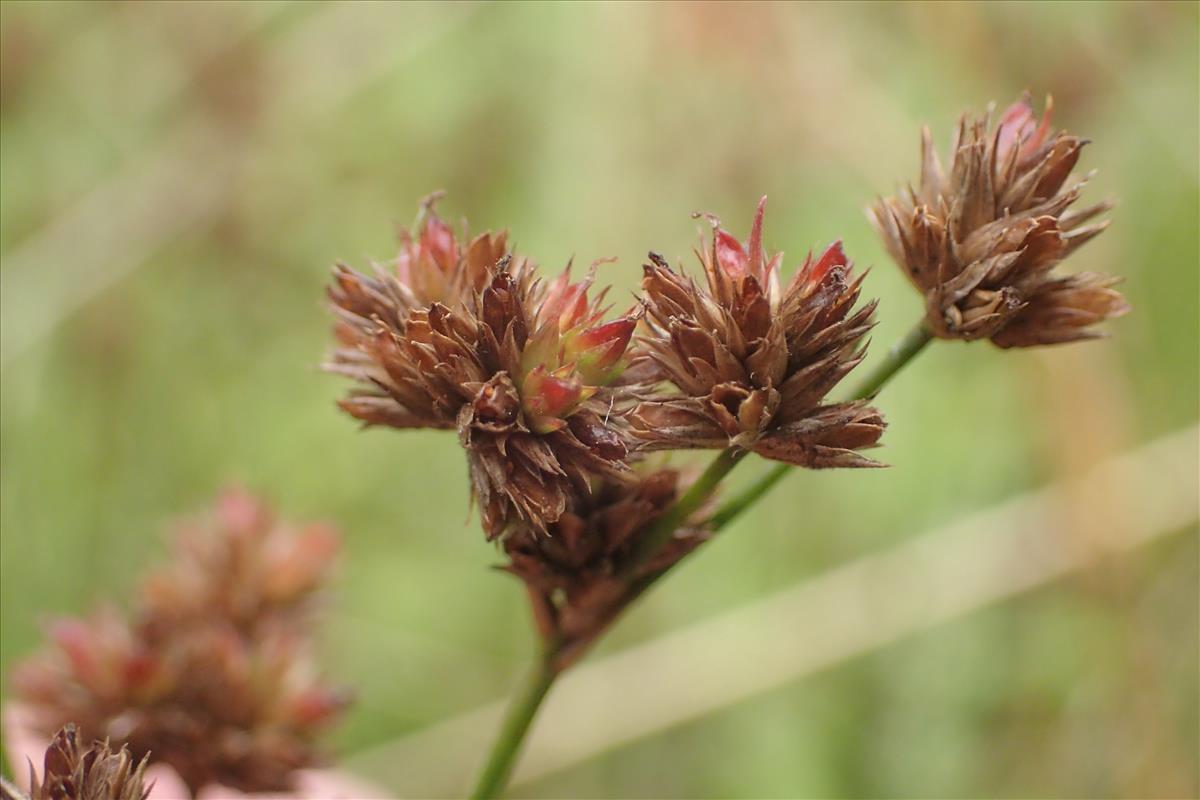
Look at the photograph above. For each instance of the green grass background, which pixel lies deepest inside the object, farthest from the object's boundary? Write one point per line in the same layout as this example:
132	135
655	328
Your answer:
594	130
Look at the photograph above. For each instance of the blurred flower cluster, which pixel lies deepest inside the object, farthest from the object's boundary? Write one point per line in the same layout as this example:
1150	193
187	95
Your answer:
213	672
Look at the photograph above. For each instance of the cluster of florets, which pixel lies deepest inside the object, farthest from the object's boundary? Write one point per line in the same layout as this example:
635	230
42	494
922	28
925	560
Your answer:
982	241
467	336
531	374
585	568
213	674
747	364
555	405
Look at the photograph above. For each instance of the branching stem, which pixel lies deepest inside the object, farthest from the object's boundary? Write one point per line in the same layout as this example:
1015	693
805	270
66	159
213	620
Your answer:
525	704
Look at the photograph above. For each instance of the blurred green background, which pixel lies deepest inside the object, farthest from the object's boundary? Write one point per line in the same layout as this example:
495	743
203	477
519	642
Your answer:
178	178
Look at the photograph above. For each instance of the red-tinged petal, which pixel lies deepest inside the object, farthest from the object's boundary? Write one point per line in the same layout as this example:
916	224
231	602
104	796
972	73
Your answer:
730	255
566	302
598	350
619	330
1017	125
437	239
74	637
317	705
756	247
140	669
1043	130
834	256
547	395
574	305
556	295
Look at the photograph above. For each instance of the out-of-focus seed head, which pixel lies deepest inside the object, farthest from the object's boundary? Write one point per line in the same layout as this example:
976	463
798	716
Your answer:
215	675
751	362
981	242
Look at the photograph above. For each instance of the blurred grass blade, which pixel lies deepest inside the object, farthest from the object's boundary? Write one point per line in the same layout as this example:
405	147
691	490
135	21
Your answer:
933	578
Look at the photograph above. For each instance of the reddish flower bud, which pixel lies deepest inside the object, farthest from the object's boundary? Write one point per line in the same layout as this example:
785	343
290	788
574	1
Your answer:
437	240
566	302
597	351
549	397
1018	127
730	255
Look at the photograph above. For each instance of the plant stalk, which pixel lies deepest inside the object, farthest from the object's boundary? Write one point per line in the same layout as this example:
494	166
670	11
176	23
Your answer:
517	719
663	528
897	357
525	705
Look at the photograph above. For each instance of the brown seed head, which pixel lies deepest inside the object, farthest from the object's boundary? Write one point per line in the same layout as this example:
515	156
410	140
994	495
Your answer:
752	362
525	371
981	242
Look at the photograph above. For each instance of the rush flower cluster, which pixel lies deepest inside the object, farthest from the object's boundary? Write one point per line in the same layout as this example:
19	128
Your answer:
530	372
749	364
466	335
556	403
213	673
982	240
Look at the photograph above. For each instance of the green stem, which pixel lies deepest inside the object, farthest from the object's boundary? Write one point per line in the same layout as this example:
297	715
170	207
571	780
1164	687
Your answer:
525	704
901	353
734	506
659	533
517	720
